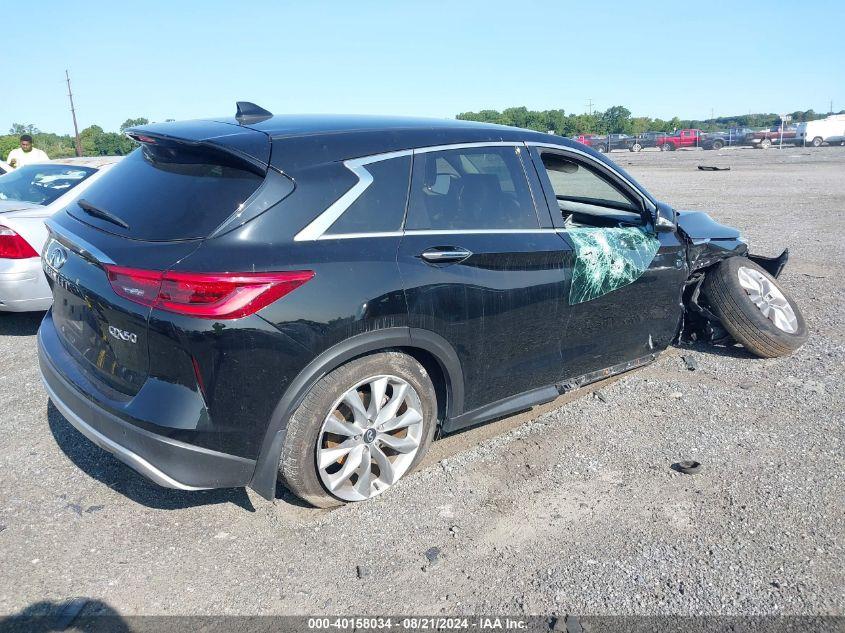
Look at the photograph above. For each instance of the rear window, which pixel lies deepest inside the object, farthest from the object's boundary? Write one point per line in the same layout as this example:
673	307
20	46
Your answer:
42	184
170	192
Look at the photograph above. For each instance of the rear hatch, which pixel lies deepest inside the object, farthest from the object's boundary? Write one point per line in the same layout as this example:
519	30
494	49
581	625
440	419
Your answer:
147	213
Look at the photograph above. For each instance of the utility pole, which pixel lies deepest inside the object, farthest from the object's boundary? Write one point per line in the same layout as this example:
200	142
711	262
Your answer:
590	107
711	115
73	113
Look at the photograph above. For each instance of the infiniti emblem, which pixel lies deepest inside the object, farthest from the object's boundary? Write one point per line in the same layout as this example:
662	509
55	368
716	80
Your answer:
56	256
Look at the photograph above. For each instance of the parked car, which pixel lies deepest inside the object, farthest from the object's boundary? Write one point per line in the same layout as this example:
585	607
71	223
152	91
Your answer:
764	139
611	142
726	138
314	296
816	133
585	139
645	140
679	139
28	195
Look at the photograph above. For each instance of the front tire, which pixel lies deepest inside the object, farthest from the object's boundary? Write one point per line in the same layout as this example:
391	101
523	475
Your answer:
636	147
756	311
667	147
359	430
717	145
765	144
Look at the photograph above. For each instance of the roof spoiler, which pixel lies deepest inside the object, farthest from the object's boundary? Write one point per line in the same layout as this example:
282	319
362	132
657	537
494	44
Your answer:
251	113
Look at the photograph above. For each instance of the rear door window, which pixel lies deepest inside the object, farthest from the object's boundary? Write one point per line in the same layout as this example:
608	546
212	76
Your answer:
483	188
171	191
381	207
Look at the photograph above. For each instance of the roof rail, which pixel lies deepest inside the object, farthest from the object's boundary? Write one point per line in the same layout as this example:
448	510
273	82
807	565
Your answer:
251	113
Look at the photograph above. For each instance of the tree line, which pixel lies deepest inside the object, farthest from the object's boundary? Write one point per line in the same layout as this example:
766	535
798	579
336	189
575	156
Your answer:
618	120
95	141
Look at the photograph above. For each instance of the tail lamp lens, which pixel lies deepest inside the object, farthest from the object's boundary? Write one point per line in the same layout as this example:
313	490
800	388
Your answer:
13	246
205	295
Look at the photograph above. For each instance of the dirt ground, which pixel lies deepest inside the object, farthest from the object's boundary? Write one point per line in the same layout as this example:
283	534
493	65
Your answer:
572	508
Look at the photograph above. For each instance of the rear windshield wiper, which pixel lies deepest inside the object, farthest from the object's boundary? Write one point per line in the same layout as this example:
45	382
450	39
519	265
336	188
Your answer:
90	209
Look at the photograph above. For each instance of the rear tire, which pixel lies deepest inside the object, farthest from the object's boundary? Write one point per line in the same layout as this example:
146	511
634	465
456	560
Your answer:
600	149
718	145
765	144
817	142
308	438
667	147
636	147
741	315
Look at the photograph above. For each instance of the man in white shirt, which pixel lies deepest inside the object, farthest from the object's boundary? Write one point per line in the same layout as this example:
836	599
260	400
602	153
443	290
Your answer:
26	154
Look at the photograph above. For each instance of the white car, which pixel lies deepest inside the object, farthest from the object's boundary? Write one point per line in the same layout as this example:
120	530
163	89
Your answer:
28	196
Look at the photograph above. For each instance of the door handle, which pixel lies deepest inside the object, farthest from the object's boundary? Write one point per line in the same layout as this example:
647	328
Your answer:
445	254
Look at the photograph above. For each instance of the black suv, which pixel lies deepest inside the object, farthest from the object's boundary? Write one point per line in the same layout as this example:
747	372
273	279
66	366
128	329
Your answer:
611	142
316	296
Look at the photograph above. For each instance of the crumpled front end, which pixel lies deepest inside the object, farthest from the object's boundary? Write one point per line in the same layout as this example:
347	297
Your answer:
708	244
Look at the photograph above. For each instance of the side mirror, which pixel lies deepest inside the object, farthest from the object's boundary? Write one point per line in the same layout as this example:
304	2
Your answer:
665	219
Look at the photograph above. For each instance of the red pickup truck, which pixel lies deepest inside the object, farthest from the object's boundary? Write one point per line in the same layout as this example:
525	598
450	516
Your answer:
681	138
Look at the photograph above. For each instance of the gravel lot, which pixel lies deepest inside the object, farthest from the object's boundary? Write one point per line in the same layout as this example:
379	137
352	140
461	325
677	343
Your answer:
571	508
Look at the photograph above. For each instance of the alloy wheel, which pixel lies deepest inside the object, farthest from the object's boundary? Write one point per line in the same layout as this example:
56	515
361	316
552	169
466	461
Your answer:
370	438
768	298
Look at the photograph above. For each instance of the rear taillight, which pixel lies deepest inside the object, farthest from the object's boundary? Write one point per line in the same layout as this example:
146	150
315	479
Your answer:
13	246
205	295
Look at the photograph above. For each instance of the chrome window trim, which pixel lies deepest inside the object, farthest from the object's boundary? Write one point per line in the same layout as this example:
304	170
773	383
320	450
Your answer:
357	236
592	159
353	236
317	228
475	231
319	225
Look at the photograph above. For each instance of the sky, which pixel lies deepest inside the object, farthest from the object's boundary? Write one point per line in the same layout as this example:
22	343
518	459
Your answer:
183	59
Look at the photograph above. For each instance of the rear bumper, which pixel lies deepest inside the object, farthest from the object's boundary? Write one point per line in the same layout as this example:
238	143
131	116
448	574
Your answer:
23	286
167	462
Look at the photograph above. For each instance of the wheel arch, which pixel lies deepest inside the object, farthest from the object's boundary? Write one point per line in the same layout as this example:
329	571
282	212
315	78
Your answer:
431	350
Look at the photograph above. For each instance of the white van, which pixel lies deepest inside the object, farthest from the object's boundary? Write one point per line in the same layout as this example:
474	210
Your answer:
830	130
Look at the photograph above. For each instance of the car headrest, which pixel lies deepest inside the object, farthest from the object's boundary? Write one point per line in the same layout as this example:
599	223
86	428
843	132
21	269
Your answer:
481	184
430	171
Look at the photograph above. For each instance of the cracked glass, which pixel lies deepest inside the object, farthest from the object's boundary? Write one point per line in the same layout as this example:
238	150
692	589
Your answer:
608	259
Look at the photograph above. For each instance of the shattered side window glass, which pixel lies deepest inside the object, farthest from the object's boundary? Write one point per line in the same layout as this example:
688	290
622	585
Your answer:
608	259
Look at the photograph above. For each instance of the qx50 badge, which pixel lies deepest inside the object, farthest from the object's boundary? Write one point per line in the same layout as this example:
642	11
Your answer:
123	335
